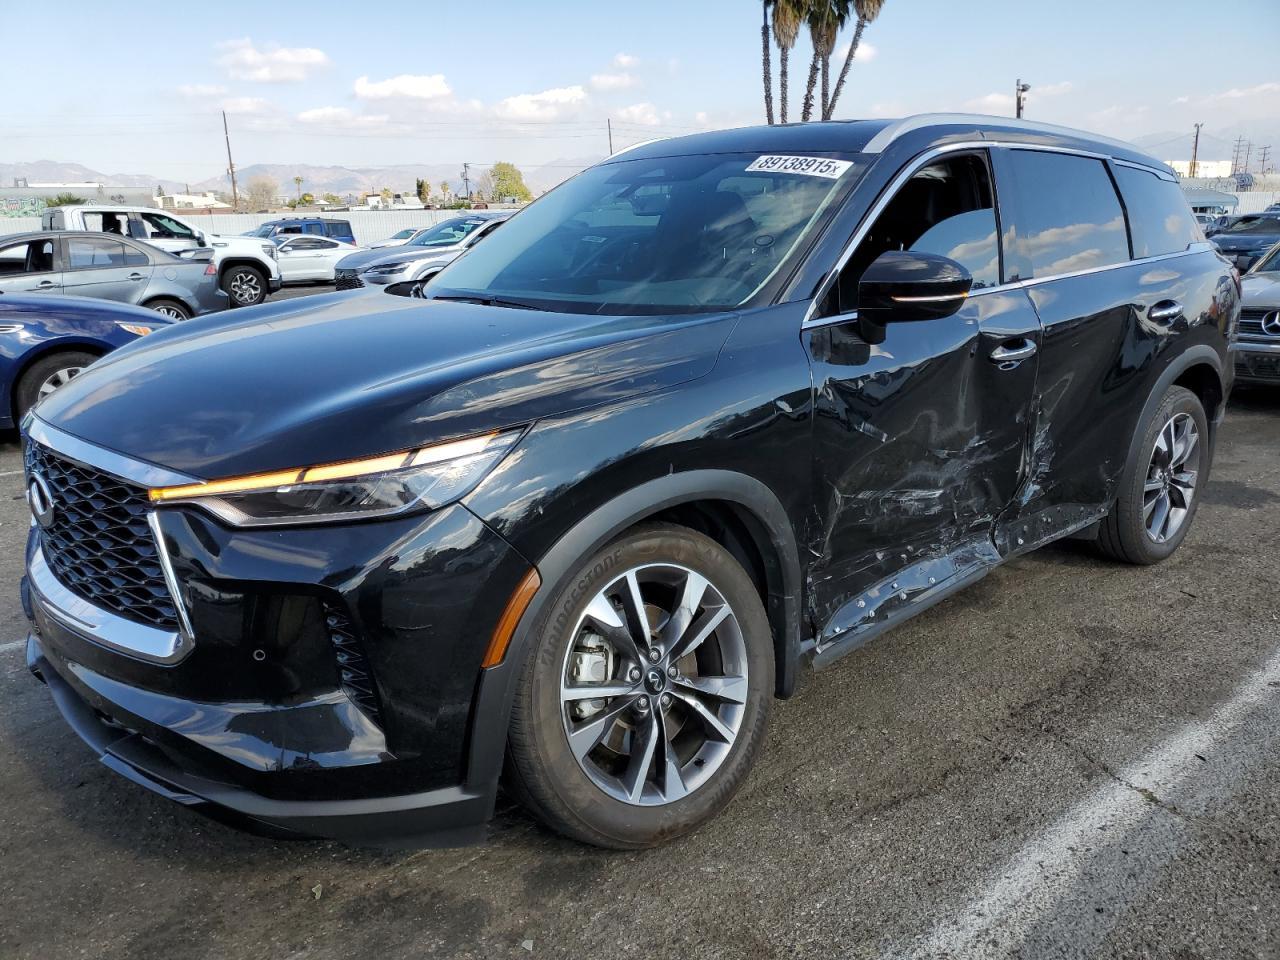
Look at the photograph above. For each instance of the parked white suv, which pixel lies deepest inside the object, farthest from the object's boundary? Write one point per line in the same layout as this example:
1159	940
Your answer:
247	267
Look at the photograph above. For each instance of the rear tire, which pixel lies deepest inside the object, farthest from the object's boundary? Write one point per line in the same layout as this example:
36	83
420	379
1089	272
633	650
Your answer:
670	743
169	308
1161	484
246	286
46	375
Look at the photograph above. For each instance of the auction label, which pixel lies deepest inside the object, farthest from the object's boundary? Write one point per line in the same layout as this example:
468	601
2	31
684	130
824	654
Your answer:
807	166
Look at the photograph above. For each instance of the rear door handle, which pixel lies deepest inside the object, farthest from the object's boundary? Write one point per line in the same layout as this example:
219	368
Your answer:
1166	311
44	285
1012	351
136	276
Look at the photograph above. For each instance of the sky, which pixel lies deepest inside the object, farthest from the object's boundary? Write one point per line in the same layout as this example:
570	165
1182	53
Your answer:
432	82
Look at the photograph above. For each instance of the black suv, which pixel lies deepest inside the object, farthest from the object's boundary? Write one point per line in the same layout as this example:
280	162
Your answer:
717	408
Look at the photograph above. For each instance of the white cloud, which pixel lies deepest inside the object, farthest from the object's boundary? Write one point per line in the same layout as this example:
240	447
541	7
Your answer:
625	60
546	105
644	113
1050	89
991	103
245	105
245	61
612	81
866	51
701	118
342	117
202	90
419	87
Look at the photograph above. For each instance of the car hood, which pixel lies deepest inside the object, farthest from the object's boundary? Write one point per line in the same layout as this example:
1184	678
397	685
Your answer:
1261	289
340	377
401	254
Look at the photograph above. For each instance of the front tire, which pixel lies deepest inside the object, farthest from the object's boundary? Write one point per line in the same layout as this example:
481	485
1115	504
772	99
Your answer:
45	376
643	702
1159	489
246	286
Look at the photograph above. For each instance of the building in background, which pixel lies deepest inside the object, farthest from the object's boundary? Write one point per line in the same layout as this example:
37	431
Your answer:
1204	168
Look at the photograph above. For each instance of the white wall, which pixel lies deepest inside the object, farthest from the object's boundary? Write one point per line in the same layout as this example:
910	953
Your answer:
369	226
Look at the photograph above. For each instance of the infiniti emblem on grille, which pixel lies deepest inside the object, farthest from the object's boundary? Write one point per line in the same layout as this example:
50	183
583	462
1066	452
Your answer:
41	500
1271	324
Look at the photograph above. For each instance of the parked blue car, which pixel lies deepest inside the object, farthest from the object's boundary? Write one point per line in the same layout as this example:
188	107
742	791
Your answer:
47	340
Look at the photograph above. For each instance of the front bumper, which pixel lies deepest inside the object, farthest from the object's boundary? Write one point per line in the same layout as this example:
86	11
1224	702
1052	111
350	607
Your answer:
1256	362
256	722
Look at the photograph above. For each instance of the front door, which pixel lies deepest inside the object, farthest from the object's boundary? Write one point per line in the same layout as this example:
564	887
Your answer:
920	438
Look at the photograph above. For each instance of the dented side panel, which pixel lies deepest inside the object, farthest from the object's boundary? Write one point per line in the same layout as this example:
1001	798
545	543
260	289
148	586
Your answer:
920	443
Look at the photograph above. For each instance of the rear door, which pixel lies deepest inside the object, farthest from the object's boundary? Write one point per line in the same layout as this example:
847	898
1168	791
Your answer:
919	439
1109	311
30	266
105	268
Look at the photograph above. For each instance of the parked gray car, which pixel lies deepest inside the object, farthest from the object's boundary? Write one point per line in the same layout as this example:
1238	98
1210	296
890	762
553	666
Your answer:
1257	345
425	254
109	267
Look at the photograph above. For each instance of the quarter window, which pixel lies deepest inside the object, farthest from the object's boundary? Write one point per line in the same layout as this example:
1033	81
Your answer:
1160	219
1068	215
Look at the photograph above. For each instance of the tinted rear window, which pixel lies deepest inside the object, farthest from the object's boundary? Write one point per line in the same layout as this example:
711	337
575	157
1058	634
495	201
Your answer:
1068	215
1160	219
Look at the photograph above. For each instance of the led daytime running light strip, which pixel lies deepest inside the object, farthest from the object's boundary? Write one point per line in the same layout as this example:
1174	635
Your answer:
421	456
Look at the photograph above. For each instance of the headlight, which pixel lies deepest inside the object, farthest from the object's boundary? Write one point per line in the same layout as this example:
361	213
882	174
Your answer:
136	329
426	477
387	268
270	250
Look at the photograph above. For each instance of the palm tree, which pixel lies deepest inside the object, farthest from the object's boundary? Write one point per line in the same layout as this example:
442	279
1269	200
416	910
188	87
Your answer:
826	17
787	17
764	65
867	11
297	182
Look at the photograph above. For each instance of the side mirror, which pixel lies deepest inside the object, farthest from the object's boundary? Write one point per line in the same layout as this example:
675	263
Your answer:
200	239
903	286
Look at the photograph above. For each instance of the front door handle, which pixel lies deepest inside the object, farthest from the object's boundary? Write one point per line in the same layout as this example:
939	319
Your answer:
136	276
1166	311
1013	351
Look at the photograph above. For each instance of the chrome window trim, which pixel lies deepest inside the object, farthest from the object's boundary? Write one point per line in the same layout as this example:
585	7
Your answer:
898	128
962	147
138	472
1159	172
99	626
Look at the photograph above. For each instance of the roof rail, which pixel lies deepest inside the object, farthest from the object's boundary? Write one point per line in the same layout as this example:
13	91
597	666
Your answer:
634	146
897	128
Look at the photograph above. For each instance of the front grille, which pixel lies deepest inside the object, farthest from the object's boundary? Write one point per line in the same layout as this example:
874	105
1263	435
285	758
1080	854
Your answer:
98	543
353	665
1251	326
347	280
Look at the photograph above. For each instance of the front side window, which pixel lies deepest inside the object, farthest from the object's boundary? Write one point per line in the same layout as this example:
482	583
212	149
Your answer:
1160	221
30	256
1068	215
661	235
86	253
947	208
160	227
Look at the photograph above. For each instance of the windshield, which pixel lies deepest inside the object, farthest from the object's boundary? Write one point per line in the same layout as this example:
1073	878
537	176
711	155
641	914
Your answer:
1255	225
1268	263
662	235
449	233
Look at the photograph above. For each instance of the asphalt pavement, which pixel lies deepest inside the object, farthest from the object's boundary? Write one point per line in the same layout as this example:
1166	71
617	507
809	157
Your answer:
1070	759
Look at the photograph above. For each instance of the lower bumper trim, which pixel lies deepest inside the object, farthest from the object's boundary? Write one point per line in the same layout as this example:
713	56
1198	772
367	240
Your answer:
450	816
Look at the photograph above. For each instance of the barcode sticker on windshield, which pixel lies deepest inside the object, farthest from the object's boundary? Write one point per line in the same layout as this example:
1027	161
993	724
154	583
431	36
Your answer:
807	166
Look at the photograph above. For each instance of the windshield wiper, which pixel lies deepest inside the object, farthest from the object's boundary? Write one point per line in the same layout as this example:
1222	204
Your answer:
490	301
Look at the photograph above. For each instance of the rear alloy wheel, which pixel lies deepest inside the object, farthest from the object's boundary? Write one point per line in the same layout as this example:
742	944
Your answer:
46	375
1159	490
641	720
245	286
170	308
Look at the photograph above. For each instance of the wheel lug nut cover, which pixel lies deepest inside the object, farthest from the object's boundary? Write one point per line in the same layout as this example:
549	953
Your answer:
655	654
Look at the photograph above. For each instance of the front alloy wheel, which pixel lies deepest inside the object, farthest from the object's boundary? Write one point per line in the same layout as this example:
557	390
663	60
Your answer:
643	701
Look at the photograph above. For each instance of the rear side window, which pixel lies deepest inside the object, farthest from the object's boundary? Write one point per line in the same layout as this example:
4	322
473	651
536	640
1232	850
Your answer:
1068	215
1160	219
342	229
85	253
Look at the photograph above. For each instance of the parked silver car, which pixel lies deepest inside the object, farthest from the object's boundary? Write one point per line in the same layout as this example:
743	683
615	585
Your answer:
425	254
109	267
1257	345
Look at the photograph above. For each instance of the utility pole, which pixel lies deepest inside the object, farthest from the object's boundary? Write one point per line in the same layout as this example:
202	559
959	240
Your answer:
1235	155
466	178
609	122
1248	149
231	167
1195	152
1263	156
1019	96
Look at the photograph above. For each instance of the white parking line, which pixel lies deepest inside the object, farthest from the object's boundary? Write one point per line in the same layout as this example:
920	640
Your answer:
1114	841
15	645
10	473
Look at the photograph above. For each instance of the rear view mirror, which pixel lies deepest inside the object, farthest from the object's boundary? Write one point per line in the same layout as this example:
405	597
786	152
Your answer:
904	286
